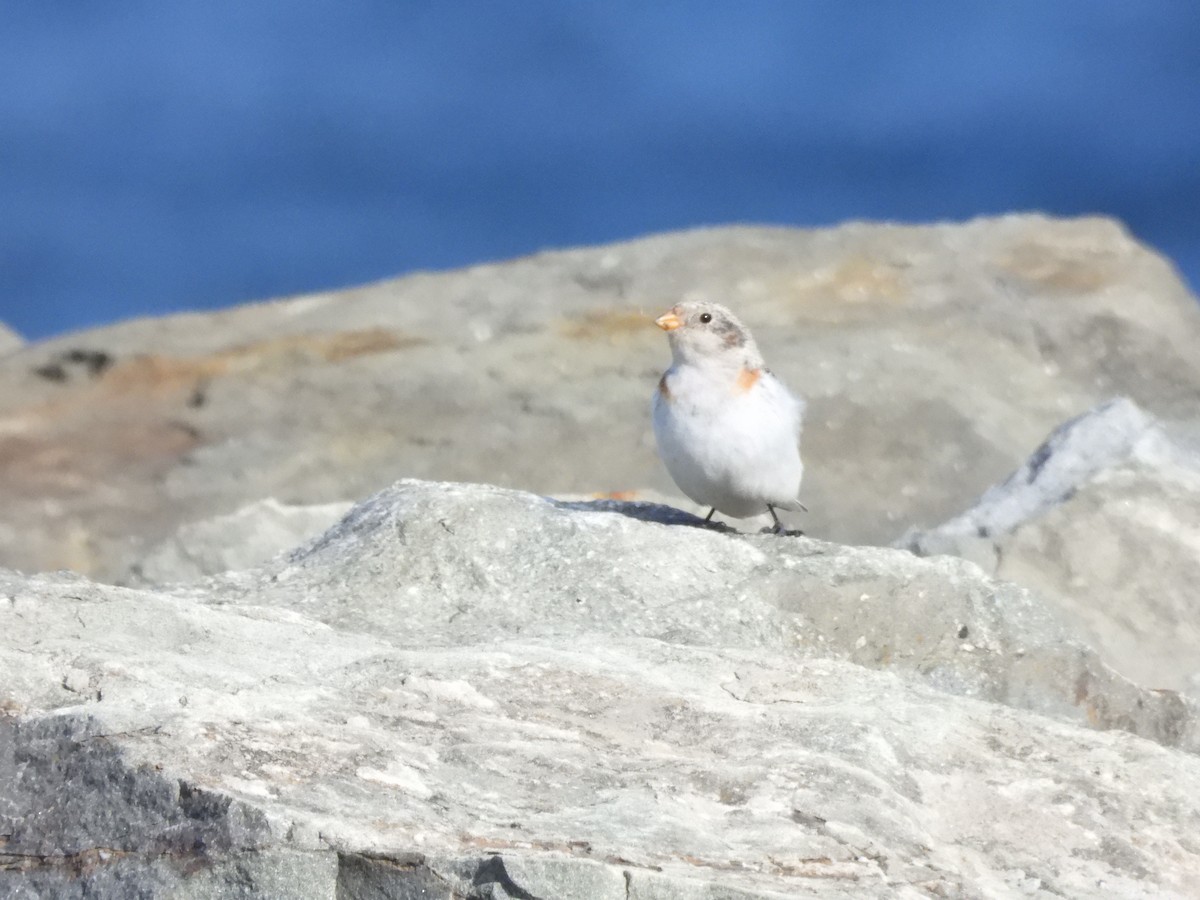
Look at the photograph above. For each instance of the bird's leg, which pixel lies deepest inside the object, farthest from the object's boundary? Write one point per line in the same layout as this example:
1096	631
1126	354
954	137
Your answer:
779	527
708	518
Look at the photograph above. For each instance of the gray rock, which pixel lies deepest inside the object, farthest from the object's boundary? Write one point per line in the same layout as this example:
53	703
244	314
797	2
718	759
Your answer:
9	339
463	691
932	358
1102	521
1074	454
247	538
480	563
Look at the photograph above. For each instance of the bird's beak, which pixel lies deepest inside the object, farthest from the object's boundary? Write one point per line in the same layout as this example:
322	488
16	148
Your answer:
669	320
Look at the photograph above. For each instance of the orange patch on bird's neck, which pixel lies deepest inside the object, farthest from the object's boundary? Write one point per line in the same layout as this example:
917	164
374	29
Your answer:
747	378
663	389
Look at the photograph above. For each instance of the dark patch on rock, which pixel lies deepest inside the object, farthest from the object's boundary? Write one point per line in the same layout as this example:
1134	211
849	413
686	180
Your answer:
94	361
51	372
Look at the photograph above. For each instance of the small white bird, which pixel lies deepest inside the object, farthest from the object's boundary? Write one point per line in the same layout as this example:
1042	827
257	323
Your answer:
728	430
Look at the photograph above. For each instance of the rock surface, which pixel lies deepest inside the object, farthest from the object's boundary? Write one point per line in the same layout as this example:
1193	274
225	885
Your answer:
462	691
244	539
1103	521
933	359
9	339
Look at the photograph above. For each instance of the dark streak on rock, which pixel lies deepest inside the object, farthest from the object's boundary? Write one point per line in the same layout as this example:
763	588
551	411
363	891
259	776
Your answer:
95	361
51	372
493	872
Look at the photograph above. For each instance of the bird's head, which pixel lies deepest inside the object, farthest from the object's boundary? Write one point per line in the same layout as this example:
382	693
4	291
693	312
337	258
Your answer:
704	333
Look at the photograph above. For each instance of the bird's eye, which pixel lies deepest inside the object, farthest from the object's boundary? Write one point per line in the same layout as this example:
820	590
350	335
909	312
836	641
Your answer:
705	318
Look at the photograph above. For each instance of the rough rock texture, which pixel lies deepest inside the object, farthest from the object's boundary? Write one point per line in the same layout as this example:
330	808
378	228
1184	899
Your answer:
461	691
1103	521
933	358
244	539
466	691
1075	453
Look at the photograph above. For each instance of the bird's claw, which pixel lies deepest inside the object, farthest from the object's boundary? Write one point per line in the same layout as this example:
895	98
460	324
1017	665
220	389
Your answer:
781	531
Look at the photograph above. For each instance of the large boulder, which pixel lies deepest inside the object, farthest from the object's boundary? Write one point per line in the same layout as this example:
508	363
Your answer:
9	339
464	691
1103	522
933	359
243	539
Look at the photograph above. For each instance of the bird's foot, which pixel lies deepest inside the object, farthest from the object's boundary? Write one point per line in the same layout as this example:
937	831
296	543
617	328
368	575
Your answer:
781	531
779	528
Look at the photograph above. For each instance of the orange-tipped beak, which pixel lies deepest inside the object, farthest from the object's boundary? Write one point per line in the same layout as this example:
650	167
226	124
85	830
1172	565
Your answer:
669	321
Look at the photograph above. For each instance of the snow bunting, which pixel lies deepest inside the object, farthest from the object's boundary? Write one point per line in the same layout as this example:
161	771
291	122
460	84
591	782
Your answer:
728	430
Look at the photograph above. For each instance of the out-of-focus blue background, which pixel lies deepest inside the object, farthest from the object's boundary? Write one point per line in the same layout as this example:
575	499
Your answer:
157	156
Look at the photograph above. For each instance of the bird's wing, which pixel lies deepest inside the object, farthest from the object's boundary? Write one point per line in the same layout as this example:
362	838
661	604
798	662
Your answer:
780	394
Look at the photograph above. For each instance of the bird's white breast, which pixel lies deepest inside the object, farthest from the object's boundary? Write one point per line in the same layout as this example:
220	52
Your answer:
727	446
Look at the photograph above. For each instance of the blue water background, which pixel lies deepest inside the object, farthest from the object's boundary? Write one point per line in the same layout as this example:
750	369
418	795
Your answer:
170	154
